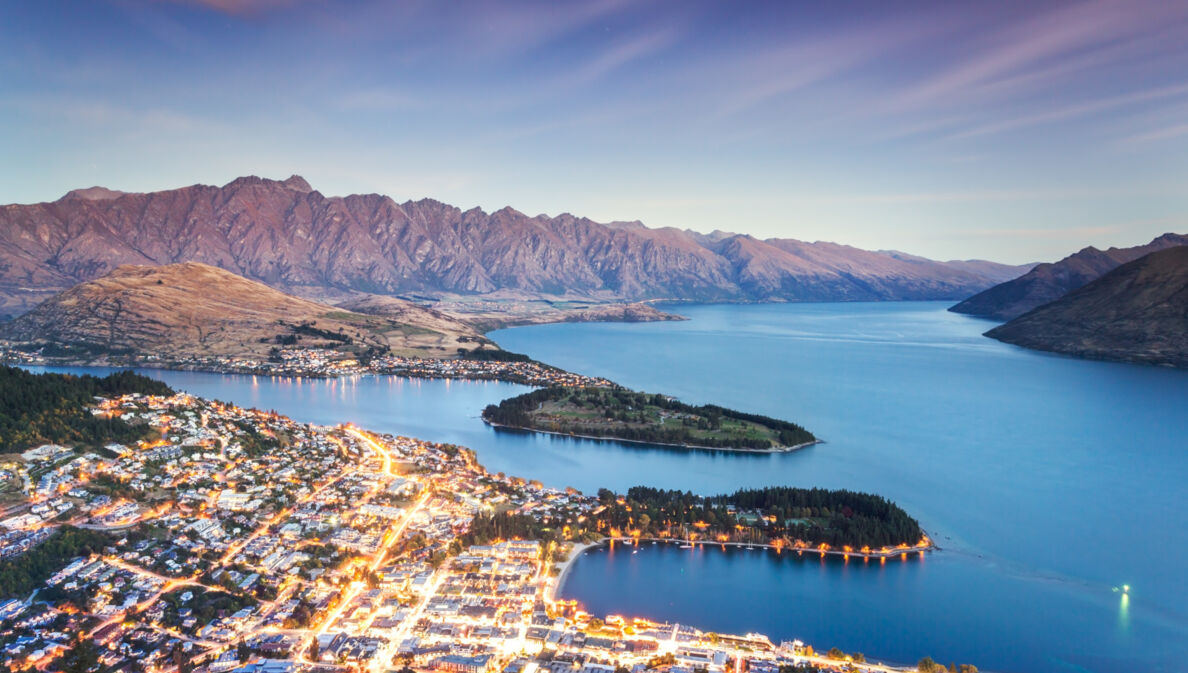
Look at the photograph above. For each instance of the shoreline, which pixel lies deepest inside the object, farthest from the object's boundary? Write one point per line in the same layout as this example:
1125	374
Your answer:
874	554
555	583
782	449
579	549
232	371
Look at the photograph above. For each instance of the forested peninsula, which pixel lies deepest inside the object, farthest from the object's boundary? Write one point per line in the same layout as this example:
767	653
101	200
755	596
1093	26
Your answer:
620	414
816	519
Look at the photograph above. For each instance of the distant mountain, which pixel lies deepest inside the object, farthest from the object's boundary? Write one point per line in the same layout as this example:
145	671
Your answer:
1136	313
191	310
291	237
999	273
1049	282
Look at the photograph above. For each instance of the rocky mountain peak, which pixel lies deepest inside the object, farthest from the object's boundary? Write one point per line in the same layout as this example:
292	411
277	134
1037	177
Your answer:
290	237
297	183
93	194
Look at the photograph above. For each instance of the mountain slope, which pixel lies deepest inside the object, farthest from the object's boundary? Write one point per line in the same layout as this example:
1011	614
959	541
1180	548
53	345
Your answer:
293	238
1049	282
194	310
1137	313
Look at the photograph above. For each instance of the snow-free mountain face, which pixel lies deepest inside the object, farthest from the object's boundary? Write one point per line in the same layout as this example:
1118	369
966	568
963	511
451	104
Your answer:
1136	313
196	310
293	238
1049	282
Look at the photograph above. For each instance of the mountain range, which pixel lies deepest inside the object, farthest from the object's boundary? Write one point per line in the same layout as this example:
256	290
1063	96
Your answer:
292	238
1138	312
1048	282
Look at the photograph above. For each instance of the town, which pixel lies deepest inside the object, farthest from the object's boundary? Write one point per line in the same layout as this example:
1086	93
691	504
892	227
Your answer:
331	363
235	540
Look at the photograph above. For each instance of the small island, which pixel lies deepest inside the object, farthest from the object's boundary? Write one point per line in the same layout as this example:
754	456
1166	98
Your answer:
613	412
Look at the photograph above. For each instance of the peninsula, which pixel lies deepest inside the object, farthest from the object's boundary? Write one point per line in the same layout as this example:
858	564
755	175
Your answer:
166	532
614	412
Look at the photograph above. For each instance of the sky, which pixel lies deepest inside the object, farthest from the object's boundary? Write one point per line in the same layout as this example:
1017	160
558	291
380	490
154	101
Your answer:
1012	131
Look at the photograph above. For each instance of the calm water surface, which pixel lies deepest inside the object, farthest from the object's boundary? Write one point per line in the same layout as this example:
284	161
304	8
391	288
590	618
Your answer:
1048	481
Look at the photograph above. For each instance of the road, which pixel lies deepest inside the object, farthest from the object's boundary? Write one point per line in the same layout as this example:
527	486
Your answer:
390	538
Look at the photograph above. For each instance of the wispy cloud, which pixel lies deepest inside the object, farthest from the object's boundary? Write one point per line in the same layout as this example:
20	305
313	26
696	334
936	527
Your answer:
758	76
506	28
990	195
237	7
620	55
1165	133
1076	110
1041	51
93	114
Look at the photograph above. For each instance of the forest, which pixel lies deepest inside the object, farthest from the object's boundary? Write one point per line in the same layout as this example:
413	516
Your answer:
40	409
487	528
783	515
23	573
618	413
814	516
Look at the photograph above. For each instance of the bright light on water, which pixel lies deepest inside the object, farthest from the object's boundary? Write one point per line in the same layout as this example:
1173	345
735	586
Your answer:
1124	612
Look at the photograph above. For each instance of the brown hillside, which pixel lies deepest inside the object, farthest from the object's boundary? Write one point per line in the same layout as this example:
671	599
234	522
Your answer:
191	309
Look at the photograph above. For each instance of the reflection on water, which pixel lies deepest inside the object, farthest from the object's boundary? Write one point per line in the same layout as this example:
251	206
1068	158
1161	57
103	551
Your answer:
1124	611
1020	465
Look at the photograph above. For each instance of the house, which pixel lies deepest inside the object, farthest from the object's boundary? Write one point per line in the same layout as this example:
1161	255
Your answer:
455	663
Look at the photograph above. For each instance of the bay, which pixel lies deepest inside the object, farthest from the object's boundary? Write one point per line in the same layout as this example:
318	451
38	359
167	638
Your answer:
1048	481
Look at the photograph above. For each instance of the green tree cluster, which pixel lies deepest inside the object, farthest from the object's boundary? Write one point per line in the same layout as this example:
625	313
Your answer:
52	408
636	417
847	517
19	575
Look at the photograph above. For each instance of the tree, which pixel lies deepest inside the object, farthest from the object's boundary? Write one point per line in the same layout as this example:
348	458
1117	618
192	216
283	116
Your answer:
82	657
315	651
243	652
927	665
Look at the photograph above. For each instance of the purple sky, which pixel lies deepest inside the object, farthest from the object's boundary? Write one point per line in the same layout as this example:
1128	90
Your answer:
1014	131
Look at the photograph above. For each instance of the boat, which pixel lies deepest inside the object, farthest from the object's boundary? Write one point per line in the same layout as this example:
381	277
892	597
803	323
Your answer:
686	546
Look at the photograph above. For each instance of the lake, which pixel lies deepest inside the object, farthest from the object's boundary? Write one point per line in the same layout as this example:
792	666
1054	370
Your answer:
1048	481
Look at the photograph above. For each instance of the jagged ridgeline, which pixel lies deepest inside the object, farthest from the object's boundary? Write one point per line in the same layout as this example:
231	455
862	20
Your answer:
618	413
52	408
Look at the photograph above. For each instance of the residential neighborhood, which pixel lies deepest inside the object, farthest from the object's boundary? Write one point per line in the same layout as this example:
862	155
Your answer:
242	541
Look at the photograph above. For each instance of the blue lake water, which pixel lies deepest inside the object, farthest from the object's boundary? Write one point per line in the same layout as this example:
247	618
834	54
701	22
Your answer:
1048	481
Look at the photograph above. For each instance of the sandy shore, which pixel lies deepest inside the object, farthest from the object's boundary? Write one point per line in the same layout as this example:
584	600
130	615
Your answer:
557	582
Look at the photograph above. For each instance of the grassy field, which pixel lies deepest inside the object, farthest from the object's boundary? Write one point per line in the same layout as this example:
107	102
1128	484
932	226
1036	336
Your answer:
650	417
